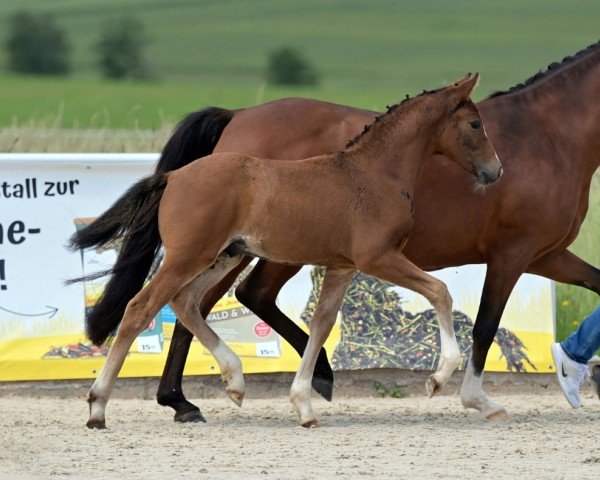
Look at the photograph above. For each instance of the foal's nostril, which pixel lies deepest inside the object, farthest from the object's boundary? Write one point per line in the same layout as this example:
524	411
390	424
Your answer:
487	172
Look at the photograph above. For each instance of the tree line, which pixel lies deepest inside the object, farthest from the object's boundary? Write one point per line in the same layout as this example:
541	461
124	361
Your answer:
38	45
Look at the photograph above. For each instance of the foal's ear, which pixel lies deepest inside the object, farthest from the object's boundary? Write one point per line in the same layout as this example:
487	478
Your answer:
462	89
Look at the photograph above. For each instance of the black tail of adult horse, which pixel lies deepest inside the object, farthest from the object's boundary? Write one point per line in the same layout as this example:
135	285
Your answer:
195	137
134	217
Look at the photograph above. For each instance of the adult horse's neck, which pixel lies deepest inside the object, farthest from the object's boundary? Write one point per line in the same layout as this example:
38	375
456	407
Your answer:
397	143
558	110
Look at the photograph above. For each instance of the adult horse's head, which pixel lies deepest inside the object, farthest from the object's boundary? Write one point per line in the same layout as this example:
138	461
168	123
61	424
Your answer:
462	137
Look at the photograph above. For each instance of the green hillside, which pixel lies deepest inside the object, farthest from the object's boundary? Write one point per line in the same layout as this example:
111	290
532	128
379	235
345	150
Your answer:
369	53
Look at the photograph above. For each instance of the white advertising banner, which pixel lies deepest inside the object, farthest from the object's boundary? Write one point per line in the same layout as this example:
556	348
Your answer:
44	198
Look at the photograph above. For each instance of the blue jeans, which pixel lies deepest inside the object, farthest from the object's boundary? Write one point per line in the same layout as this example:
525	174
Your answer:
583	342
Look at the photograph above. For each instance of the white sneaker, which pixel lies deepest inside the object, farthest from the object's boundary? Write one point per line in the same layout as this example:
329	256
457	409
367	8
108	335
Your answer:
570	374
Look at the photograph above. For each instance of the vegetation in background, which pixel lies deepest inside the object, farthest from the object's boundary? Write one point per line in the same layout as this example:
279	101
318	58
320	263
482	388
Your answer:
287	66
36	45
369	54
120	49
394	391
51	138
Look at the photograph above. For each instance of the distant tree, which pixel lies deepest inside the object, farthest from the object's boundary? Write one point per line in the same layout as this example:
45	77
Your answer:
121	49
37	45
287	66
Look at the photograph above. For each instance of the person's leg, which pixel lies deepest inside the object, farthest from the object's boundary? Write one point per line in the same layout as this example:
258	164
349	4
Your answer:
585	341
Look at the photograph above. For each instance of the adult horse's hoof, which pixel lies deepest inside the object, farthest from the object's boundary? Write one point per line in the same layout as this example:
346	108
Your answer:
324	387
432	386
595	376
93	423
310	423
191	416
236	397
497	416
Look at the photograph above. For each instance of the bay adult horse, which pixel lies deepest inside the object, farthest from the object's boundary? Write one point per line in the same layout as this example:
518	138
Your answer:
547	132
348	211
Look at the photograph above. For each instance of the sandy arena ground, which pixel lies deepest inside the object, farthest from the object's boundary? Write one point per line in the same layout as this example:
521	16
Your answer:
358	438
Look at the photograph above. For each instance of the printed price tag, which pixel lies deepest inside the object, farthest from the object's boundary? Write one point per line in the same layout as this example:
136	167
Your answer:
267	349
149	344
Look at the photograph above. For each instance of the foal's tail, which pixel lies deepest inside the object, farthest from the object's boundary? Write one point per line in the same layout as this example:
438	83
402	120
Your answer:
134	219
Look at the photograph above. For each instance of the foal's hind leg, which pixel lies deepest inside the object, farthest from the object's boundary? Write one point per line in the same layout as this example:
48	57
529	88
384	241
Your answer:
170	392
396	268
186	305
140	311
334	286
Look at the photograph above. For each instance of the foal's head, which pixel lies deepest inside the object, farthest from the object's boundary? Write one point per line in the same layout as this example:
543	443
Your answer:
462	136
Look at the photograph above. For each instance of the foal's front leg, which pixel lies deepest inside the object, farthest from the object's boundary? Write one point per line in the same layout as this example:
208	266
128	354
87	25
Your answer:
397	269
334	286
258	291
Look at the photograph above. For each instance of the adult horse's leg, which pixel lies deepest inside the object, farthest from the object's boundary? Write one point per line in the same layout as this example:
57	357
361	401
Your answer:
170	391
141	309
566	267
186	304
503	271
334	286
258	292
397	269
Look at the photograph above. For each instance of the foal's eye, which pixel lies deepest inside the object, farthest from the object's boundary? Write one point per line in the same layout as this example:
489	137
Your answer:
475	124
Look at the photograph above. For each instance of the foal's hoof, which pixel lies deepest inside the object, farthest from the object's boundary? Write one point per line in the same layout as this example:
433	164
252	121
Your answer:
192	416
310	423
324	387
497	416
93	423
236	397
432	386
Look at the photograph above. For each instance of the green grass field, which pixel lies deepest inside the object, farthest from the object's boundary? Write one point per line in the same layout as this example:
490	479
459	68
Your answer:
369	53
214	52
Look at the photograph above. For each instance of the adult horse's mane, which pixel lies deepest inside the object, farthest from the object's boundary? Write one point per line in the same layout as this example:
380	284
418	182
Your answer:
552	68
390	109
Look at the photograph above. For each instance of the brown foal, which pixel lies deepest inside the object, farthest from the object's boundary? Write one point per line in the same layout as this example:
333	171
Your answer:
349	211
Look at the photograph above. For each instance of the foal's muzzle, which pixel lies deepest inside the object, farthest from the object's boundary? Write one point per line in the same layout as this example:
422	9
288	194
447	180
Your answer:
487	174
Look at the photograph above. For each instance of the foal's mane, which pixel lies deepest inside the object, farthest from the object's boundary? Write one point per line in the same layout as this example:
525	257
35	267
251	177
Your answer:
389	109
552	68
